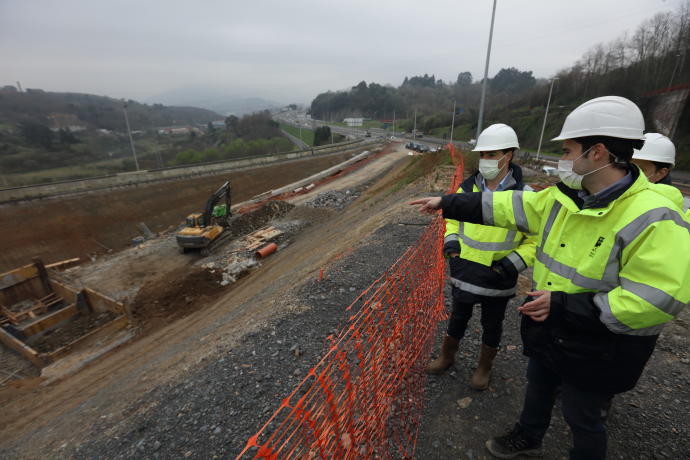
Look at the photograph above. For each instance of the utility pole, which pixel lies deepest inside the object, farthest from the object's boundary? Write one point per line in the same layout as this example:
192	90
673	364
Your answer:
546	113
675	67
393	122
452	123
414	130
486	73
129	132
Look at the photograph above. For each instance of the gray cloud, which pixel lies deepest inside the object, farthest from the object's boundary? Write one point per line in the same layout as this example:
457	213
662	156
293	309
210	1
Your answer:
292	50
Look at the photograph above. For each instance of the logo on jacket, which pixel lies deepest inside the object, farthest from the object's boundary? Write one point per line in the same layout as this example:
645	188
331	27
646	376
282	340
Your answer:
600	240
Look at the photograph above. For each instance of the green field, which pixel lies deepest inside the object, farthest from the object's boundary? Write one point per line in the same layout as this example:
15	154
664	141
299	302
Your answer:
307	135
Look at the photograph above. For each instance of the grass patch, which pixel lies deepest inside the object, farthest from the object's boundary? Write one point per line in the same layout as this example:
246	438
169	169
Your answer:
418	166
307	135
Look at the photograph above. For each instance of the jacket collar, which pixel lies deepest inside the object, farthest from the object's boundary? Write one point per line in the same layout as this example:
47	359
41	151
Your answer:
569	197
513	182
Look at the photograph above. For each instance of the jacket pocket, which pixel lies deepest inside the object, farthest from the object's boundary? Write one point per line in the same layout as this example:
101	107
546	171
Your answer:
582	347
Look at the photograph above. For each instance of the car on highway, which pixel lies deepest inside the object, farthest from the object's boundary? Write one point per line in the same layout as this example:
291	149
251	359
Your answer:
423	148
549	170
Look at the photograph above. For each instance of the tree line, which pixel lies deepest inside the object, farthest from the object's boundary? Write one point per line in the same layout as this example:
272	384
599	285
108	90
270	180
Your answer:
653	57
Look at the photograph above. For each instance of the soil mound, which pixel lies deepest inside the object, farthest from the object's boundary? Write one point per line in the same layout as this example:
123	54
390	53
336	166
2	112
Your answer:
180	293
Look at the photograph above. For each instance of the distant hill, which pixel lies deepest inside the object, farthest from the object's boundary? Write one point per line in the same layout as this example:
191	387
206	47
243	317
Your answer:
213	99
91	111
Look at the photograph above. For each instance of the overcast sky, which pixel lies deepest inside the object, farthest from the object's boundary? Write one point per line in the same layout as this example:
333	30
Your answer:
291	50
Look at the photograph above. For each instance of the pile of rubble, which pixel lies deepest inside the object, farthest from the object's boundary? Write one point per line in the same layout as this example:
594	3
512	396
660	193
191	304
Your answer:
332	199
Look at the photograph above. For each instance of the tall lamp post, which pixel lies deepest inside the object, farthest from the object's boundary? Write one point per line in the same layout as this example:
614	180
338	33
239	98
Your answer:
452	123
129	133
546	114
486	74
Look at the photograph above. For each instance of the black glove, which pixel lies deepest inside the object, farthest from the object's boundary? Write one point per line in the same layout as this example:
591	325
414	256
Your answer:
451	247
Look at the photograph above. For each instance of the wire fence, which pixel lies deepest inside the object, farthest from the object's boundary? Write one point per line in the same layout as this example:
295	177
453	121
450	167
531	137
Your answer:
364	399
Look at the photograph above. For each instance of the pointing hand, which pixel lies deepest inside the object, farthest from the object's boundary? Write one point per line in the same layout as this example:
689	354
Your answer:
428	205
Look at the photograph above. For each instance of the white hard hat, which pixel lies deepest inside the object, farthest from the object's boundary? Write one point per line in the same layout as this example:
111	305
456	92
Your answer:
612	116
496	137
657	147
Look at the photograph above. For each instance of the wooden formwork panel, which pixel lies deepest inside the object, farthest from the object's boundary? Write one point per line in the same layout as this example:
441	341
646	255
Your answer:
18	275
48	321
23	349
115	325
68	293
101	302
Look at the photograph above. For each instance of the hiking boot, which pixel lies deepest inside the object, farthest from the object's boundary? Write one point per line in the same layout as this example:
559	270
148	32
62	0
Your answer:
446	358
514	443
480	378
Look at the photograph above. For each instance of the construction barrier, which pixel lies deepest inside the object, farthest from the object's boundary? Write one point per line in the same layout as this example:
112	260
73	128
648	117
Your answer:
364	399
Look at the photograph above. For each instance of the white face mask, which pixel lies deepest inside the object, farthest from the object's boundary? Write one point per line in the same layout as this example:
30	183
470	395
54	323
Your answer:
490	168
569	177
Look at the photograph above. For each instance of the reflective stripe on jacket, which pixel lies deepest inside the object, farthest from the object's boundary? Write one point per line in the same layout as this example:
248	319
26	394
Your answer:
616	273
481	245
623	252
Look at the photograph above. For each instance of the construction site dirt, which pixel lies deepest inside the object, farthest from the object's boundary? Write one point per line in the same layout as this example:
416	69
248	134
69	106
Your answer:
98	222
198	386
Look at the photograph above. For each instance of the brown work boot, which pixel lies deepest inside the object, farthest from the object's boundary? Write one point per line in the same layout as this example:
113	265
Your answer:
446	358
480	378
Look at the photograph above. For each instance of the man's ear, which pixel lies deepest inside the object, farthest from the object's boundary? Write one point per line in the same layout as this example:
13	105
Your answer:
600	151
663	172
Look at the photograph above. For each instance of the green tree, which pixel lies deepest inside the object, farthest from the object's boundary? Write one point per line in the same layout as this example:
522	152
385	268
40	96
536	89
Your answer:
322	135
512	80
37	134
464	79
65	137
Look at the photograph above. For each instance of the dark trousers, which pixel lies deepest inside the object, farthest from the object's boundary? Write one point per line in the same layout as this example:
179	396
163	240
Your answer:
581	410
493	312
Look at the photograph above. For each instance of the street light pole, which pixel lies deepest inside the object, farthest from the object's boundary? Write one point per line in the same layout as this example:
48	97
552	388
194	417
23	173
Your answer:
546	113
393	123
486	73
452	123
414	130
129	132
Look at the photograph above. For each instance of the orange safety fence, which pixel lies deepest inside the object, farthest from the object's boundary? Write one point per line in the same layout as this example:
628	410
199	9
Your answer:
364	398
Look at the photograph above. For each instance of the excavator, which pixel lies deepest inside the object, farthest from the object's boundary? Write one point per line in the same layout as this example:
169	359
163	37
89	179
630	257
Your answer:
207	230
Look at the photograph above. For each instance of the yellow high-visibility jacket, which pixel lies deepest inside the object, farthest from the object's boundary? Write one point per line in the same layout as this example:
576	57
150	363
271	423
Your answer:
617	272
481	246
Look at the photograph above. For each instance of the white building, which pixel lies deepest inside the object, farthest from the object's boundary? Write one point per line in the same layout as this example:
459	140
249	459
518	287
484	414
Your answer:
353	121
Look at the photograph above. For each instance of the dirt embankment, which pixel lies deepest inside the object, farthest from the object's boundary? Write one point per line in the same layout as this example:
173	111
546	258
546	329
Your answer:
62	228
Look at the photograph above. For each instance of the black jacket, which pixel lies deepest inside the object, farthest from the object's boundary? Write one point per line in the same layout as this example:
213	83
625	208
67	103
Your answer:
502	275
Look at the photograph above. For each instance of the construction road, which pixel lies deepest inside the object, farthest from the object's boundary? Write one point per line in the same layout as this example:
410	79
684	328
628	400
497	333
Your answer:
38	419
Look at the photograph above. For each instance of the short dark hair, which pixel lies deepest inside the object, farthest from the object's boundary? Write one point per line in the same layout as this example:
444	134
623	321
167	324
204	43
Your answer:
659	165
621	149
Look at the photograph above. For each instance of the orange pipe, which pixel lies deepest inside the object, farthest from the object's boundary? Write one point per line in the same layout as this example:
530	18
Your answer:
266	250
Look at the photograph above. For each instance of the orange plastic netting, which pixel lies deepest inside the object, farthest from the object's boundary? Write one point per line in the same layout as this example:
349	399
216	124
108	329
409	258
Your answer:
365	397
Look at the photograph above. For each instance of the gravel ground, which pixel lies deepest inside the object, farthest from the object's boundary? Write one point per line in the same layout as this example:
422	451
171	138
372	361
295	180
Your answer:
212	411
649	422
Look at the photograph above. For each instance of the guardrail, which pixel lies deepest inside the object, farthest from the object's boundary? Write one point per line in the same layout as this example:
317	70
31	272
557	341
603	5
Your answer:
135	178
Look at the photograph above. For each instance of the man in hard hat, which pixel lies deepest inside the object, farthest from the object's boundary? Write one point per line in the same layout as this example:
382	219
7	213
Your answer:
656	158
611	269
484	261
